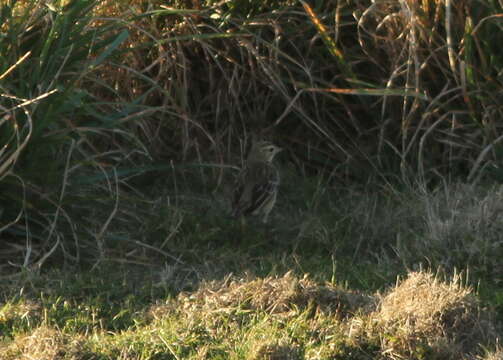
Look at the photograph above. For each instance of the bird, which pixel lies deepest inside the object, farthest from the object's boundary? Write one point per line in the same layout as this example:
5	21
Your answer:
257	183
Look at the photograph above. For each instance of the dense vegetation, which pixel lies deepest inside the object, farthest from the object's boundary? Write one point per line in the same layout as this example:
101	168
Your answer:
122	125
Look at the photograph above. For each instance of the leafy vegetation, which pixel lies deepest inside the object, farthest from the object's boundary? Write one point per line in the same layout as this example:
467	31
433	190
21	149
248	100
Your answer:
122	125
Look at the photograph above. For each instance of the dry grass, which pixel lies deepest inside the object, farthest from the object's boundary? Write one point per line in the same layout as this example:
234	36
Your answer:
287	317
460	229
14	312
273	295
492	355
424	315
44	343
274	351
118	122
367	91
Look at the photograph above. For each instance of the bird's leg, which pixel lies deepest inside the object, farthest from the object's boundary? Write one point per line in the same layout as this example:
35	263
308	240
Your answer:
265	218
242	225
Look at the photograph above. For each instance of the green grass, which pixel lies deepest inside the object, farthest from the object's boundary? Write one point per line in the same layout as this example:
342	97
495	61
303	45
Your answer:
204	287
284	317
122	125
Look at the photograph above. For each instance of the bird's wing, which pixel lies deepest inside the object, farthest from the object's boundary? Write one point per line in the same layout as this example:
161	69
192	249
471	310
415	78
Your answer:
256	184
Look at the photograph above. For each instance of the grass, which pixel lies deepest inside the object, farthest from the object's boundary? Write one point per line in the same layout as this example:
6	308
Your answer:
285	317
121	127
301	288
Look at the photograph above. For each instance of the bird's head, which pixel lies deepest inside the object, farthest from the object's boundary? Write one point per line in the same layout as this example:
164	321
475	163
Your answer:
263	151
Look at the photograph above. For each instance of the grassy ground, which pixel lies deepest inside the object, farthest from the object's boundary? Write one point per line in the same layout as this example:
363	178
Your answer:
122	125
185	281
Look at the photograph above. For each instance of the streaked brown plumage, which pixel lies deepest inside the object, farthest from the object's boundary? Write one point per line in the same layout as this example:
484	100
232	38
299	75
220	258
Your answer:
257	183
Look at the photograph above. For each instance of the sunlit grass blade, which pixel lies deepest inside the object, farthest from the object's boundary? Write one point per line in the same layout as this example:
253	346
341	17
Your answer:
329	42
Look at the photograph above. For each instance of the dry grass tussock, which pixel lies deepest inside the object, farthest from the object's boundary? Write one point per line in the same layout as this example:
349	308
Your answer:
274	295
44	343
425	315
493	355
422	315
457	225
275	351
22	311
462	224
290	317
